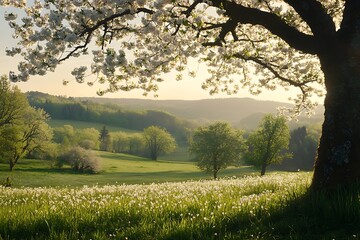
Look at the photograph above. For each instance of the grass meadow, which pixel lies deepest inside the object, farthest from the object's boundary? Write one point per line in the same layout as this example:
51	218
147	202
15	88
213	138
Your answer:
222	209
275	206
116	169
169	199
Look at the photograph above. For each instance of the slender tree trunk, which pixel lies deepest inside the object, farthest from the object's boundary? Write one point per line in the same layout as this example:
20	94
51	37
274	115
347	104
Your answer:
153	149
215	174
263	168
338	160
153	154
12	164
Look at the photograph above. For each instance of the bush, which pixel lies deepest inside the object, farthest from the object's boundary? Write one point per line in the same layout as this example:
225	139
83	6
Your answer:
87	144
80	160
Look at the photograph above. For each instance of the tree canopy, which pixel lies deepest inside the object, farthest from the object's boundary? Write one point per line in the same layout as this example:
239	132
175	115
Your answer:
305	44
23	129
269	143
12	102
158	141
216	147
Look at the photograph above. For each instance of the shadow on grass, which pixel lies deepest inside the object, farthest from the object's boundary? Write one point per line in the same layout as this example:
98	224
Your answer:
310	216
307	217
51	170
120	156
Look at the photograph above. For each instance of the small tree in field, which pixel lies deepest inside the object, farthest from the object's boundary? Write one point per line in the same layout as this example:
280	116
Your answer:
268	144
158	141
25	135
23	129
216	147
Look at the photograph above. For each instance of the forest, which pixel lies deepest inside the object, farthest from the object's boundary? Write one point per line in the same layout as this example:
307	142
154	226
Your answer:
68	108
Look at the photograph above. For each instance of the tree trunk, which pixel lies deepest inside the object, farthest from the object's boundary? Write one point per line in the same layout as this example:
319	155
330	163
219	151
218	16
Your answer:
338	160
12	164
263	168
215	174
153	155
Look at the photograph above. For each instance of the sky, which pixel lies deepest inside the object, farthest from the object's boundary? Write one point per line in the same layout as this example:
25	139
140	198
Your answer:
187	89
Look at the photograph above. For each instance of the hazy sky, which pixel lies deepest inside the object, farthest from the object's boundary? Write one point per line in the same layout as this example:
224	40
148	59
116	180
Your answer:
189	88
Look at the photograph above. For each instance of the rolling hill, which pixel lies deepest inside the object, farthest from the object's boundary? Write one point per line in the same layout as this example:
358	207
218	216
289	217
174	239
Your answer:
241	112
136	114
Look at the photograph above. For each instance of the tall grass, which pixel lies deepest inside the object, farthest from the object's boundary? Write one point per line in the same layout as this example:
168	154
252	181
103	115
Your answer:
270	207
187	210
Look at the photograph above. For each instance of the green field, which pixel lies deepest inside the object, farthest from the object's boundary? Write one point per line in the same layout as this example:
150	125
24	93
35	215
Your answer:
116	169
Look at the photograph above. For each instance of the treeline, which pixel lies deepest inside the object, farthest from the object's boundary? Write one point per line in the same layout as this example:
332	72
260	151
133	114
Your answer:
303	140
67	137
72	109
303	143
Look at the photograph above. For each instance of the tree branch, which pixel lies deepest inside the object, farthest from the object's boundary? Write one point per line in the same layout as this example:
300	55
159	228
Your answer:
89	30
87	41
314	14
276	25
112	17
351	18
188	11
273	70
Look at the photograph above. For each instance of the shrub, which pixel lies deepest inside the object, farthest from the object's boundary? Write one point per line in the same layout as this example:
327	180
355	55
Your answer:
87	144
80	160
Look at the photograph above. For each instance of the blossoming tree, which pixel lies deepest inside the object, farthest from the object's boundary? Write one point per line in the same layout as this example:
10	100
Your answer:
258	44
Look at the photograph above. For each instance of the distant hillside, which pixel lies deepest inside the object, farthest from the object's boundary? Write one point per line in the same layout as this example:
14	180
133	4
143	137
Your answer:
227	109
63	108
136	114
252	121
242	112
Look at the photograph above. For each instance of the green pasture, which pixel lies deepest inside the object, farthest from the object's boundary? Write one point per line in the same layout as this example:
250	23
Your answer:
116	169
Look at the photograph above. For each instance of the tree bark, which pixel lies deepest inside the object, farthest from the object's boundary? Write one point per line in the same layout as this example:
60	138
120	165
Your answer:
338	160
263	168
12	164
215	174
153	154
